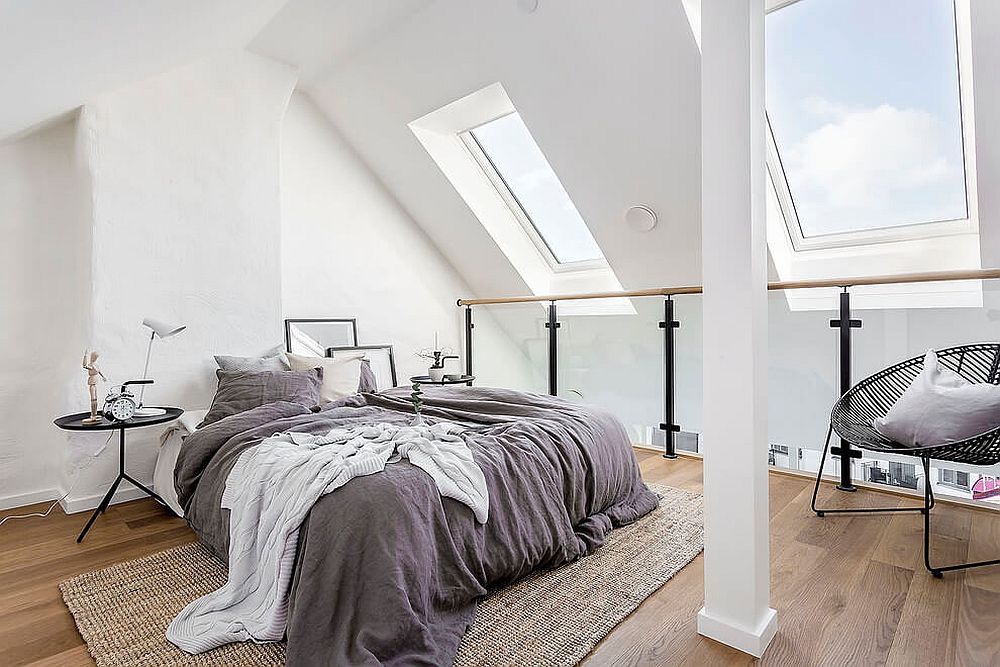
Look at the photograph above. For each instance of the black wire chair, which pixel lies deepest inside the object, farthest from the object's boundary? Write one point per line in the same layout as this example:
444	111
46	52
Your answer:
854	413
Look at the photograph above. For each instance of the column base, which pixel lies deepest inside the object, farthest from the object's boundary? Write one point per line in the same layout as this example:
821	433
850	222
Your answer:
753	641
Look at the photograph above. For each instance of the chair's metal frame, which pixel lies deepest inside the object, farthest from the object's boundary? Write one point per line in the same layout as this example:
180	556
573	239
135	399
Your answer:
853	415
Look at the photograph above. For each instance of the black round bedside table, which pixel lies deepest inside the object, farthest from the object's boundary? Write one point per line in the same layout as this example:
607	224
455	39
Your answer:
74	422
417	380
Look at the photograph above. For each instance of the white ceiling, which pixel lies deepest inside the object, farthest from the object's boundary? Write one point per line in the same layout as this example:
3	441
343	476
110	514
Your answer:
314	35
57	54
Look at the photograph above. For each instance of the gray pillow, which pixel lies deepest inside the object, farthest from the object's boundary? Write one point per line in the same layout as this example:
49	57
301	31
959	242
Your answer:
241	391
272	360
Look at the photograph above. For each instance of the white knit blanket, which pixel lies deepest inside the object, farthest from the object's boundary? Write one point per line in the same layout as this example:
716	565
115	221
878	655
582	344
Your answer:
269	492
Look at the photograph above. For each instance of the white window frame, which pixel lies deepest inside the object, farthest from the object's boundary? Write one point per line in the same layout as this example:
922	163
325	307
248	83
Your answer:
923	230
482	158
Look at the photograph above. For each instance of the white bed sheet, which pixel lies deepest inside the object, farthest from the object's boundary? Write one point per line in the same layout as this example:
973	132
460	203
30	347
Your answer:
166	459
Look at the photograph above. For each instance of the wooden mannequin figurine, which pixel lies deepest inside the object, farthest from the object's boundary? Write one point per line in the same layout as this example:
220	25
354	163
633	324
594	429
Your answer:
90	364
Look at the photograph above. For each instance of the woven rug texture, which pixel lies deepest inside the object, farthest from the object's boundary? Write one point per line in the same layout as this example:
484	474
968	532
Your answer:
551	618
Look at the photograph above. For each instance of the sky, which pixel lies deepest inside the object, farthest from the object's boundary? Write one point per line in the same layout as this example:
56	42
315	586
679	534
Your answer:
524	168
863	100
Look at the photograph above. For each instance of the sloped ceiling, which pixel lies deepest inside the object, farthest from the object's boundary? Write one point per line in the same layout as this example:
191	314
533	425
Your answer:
58	54
611	92
314	35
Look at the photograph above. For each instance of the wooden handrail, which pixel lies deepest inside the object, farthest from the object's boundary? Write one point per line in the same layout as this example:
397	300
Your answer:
897	279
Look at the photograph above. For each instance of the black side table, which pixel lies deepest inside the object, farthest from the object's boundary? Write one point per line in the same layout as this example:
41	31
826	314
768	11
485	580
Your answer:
74	422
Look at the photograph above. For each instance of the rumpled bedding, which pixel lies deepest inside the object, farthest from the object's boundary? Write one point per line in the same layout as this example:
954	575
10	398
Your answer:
388	570
270	490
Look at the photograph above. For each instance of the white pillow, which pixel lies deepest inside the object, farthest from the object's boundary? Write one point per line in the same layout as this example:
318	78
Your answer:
341	375
940	407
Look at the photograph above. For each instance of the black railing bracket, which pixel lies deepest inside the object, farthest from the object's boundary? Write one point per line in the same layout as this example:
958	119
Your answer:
845	324
668	426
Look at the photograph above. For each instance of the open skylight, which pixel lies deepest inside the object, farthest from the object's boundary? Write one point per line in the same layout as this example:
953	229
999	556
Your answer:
522	175
483	147
865	110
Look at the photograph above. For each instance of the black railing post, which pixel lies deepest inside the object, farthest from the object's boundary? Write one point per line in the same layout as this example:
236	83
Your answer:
468	341
552	325
668	426
845	324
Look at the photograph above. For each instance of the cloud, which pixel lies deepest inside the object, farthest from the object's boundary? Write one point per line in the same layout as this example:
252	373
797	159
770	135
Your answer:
882	163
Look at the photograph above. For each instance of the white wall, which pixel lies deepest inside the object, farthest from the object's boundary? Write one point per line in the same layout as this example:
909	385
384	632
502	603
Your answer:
350	250
186	219
44	313
59	54
188	186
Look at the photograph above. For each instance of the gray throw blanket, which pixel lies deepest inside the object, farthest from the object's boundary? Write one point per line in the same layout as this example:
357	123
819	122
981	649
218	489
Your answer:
388	571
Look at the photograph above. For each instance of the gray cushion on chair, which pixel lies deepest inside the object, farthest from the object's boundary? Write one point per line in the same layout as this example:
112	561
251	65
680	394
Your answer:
939	407
242	391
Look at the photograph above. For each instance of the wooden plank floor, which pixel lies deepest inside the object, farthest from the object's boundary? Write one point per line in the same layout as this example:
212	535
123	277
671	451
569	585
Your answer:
848	590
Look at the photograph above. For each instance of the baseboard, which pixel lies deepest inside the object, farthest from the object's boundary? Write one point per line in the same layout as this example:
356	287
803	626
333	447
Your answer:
125	493
752	641
23	499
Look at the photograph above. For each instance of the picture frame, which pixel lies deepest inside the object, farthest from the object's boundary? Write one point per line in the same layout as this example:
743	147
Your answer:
311	337
380	359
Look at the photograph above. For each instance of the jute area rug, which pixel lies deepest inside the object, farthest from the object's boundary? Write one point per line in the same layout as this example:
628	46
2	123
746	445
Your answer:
551	618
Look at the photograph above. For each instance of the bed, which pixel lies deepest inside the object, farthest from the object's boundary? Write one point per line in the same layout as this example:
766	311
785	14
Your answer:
388	571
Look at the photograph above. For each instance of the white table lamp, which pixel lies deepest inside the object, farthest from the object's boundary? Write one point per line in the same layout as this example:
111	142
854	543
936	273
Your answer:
158	329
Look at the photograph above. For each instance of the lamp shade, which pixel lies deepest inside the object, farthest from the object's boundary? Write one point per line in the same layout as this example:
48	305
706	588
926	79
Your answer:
163	329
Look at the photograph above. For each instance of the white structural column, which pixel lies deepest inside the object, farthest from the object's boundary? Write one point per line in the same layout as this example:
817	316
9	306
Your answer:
734	266
982	19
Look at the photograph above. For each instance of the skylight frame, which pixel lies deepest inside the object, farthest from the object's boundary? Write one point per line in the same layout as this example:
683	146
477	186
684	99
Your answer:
482	158
921	230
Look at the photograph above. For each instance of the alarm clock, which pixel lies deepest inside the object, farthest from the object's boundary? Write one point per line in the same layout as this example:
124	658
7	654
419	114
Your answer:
120	404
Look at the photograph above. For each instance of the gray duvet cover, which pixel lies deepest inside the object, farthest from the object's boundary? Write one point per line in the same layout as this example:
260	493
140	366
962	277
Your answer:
388	571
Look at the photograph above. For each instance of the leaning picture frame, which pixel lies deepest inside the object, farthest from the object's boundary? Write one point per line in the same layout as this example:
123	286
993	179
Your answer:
310	337
379	358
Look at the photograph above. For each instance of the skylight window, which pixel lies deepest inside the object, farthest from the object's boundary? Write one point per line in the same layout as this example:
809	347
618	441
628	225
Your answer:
522	175
865	110
483	148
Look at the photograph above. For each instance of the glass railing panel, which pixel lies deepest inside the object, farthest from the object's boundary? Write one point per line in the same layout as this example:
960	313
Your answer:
510	346
611	355
688	372
802	376
898	322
